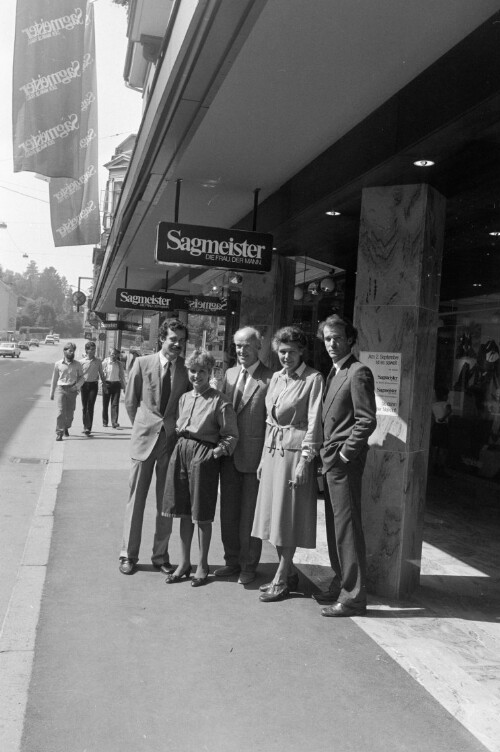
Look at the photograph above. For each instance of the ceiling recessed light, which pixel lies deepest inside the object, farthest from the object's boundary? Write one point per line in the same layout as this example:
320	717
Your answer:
495	232
423	163
333	213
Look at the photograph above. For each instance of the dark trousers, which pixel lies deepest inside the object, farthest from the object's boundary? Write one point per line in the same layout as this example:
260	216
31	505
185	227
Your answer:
238	497
141	474
346	542
111	391
89	396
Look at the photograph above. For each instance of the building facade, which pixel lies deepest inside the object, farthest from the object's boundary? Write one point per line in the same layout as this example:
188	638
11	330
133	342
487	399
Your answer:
364	138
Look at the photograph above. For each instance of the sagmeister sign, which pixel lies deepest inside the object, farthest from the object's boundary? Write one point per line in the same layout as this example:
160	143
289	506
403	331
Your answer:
194	245
145	300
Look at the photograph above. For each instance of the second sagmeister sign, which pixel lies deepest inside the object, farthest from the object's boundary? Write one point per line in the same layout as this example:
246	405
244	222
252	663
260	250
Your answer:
194	245
146	300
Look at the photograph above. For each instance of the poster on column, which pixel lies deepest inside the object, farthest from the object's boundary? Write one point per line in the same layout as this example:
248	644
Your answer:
74	202
386	369
47	73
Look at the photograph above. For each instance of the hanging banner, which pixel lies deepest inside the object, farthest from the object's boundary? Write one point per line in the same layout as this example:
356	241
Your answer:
195	245
47	72
74	202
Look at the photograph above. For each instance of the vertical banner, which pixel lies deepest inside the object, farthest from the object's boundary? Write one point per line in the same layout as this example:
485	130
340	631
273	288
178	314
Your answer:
46	92
74	202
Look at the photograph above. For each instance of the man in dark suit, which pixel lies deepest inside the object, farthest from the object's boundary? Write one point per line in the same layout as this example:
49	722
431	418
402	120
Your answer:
154	387
348	420
246	386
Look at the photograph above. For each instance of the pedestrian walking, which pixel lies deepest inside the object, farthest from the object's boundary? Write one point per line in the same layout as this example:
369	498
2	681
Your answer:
154	387
114	382
92	372
67	380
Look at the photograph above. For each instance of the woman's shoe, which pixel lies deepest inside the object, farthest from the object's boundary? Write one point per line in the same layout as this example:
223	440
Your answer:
198	581
171	578
292	583
277	592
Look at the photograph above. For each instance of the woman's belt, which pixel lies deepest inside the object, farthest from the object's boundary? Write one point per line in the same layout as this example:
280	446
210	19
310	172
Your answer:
188	435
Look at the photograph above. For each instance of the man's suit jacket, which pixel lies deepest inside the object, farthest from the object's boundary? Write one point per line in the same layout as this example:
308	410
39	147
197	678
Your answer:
251	415
348	412
142	401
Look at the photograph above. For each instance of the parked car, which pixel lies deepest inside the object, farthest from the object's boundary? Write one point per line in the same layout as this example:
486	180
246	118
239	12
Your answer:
9	349
34	342
49	340
56	337
23	344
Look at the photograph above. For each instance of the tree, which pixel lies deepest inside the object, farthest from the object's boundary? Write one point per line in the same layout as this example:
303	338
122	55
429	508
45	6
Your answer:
46	314
51	287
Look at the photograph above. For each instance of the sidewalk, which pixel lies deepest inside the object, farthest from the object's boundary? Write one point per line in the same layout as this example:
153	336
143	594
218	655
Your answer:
131	663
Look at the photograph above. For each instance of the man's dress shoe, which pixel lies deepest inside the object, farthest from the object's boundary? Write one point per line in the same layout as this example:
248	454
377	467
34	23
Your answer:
66	432
166	567
227	571
246	578
127	566
340	609
326	597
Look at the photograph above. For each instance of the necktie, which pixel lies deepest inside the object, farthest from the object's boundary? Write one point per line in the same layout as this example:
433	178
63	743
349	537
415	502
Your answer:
240	388
165	389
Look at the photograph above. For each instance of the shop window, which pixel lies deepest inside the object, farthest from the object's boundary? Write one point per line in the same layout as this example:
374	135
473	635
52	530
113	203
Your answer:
468	372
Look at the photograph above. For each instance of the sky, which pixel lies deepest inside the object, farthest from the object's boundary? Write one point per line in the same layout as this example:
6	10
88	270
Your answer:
24	201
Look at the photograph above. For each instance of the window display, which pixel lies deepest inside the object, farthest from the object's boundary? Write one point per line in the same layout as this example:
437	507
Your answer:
468	366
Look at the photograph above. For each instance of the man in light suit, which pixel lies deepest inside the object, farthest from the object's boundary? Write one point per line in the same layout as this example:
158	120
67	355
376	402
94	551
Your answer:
348	420
246	386
154	387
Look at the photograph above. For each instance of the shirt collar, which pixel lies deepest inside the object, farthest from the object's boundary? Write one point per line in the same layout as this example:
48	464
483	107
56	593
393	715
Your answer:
338	365
251	369
298	371
164	360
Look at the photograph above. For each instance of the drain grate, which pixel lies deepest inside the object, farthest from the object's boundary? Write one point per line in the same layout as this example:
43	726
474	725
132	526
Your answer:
28	460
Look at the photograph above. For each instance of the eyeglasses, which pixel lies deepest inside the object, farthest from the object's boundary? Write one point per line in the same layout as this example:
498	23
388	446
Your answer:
69	349
90	347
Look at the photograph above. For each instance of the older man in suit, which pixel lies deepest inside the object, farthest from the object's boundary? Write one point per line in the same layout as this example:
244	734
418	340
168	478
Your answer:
348	420
246	386
155	385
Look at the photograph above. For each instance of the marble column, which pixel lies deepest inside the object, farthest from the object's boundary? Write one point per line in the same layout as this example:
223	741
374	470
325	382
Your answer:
396	311
267	301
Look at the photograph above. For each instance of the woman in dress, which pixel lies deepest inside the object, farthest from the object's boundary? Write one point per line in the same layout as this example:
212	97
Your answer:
207	431
286	504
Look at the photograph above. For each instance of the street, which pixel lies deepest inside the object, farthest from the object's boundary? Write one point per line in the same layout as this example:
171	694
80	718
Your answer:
25	443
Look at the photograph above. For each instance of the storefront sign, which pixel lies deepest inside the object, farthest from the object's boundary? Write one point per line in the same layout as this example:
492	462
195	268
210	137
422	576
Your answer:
121	326
165	301
194	245
386	369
